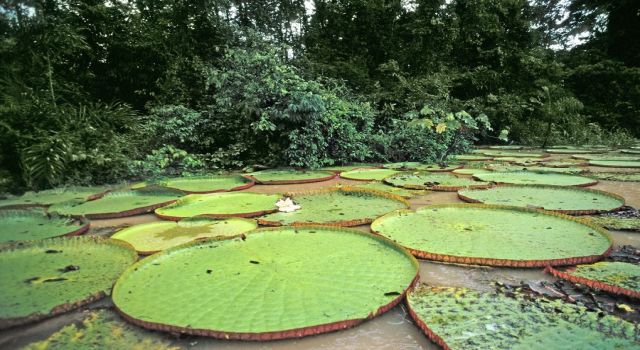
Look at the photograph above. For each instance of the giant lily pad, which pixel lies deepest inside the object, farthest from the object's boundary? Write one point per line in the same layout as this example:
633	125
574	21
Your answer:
289	176
153	237
575	150
614	277
537	169
624	177
43	278
615	163
616	223
402	192
534	178
436	182
208	184
494	235
368	174
421	166
102	329
337	206
57	195
27	225
519	160
560	199
470	171
220	205
611	157
117	204
513	154
631	151
507	147
275	283
471	157
342	168
460	318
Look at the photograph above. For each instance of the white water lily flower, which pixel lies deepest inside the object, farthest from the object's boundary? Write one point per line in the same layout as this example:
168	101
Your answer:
287	205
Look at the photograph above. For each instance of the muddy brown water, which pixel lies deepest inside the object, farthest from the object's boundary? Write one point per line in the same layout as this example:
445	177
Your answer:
392	330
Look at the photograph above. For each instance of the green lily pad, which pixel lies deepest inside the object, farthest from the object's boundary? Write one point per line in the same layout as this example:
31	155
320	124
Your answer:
102	329
402	192
615	163
574	150
519	160
153	237
343	168
512	154
623	177
460	318
614	277
117	204
538	169
27	225
534	178
631	151
569	200
337	206
421	166
368	174
471	157
494	235
43	278
57	195
470	171
507	147
208	184
220	205
276	283
288	176
436	182
562	164
612	157
616	223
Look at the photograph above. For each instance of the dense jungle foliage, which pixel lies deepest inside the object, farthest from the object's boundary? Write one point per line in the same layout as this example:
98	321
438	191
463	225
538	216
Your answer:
98	91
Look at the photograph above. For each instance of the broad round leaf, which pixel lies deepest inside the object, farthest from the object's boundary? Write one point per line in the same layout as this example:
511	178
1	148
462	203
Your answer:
575	150
436	182
276	283
512	154
117	204
533	178
43	278
614	277
402	192
507	147
610	157
459	318
615	163
368	174
421	166
27	225
494	235
471	157
153	237
286	176
220	205
57	195
336	206
208	184
565	200
470	171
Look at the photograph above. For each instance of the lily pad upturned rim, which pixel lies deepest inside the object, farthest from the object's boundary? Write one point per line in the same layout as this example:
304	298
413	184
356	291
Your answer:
125	213
340	223
85	224
566	275
591	183
91	197
615	163
457	259
68	306
149	252
348	177
213	215
275	335
568	212
248	184
330	175
440	188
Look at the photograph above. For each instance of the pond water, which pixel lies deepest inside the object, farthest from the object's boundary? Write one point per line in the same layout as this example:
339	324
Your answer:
393	330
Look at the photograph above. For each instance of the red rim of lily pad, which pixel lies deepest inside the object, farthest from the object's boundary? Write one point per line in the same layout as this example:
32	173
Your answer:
468	260
249	184
339	223
126	213
331	175
566	275
568	212
278	335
